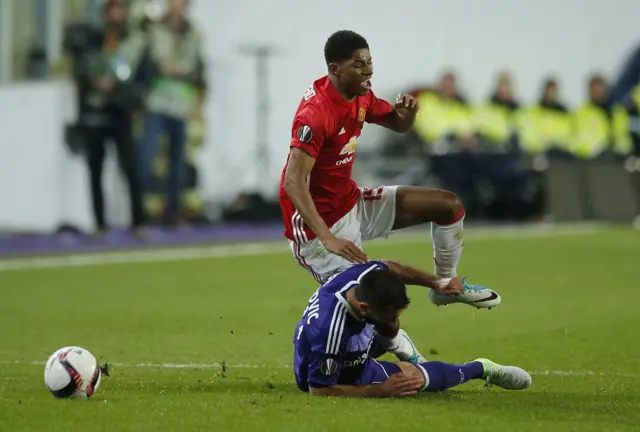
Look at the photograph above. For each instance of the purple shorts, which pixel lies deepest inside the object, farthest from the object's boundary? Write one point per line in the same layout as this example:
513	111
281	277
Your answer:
377	372
372	372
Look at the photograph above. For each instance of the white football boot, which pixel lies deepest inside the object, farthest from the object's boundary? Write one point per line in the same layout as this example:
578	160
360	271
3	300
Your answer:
473	295
506	377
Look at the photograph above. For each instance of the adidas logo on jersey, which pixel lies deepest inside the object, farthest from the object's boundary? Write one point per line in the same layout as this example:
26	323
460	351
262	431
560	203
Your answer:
342	131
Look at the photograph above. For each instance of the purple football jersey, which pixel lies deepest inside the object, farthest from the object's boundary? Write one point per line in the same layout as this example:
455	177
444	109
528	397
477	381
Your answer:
331	342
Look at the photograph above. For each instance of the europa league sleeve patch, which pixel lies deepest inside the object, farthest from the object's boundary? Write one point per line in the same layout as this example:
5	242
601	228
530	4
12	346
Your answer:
329	366
304	134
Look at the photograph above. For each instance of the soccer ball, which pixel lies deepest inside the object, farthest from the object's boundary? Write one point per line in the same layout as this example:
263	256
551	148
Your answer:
72	372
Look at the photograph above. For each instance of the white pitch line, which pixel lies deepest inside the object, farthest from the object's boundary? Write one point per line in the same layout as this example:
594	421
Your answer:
576	373
580	373
272	248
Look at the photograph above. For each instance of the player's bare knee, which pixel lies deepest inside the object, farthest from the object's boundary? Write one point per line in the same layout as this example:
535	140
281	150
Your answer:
411	370
433	205
443	207
452	202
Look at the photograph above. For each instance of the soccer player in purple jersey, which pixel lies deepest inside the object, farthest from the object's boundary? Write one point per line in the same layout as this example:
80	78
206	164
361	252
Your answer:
336	345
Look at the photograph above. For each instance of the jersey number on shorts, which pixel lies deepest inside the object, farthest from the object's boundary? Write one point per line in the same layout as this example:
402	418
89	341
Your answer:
372	194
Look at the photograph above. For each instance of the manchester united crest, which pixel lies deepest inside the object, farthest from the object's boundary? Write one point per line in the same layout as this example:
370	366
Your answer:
361	115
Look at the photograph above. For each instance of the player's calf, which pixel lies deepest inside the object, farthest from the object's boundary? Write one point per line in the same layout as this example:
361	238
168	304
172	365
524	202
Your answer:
439	376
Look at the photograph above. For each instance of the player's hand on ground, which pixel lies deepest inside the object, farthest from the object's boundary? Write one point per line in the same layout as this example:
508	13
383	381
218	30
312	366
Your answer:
401	384
449	286
406	105
346	249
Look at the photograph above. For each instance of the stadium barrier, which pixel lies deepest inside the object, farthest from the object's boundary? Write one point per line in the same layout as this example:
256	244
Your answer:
566	188
585	190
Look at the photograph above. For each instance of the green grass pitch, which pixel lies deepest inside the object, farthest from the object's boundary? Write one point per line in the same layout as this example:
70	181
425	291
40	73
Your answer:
570	314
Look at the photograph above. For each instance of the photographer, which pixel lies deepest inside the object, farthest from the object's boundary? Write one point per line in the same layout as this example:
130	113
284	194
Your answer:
107	97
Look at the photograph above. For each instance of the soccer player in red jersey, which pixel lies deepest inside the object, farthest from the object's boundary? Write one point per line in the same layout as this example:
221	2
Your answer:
326	215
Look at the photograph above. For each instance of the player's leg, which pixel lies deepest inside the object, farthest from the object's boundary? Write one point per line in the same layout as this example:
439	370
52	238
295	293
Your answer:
377	372
398	343
419	205
321	264
439	376
388	208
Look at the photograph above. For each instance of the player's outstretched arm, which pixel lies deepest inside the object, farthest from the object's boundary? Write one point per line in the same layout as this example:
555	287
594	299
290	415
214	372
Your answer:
295	185
413	276
403	115
397	385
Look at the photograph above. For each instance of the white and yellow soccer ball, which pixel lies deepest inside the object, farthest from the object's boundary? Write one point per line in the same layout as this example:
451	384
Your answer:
72	372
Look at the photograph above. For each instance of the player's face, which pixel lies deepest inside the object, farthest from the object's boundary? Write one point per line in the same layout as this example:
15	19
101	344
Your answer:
354	75
386	317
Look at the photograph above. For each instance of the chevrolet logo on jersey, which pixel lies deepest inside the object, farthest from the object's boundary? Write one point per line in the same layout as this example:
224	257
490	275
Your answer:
350	147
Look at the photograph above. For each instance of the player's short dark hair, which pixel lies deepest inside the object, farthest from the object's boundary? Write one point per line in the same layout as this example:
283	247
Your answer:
341	45
381	289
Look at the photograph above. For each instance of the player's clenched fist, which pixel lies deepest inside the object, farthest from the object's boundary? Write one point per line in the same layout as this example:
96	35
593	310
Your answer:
346	249
401	384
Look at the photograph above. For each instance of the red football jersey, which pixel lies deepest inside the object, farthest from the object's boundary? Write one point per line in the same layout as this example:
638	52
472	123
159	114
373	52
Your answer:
327	126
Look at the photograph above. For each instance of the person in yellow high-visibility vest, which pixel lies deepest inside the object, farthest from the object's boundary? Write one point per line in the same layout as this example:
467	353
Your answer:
495	120
443	125
546	125
599	128
444	115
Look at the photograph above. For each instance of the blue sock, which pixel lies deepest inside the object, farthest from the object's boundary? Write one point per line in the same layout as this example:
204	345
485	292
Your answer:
442	376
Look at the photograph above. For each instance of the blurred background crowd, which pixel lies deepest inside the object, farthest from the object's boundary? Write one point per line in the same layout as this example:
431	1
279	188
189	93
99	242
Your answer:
497	153
151	97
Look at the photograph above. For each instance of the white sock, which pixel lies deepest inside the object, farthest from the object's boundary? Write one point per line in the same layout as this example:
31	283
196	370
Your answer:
401	346
447	247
